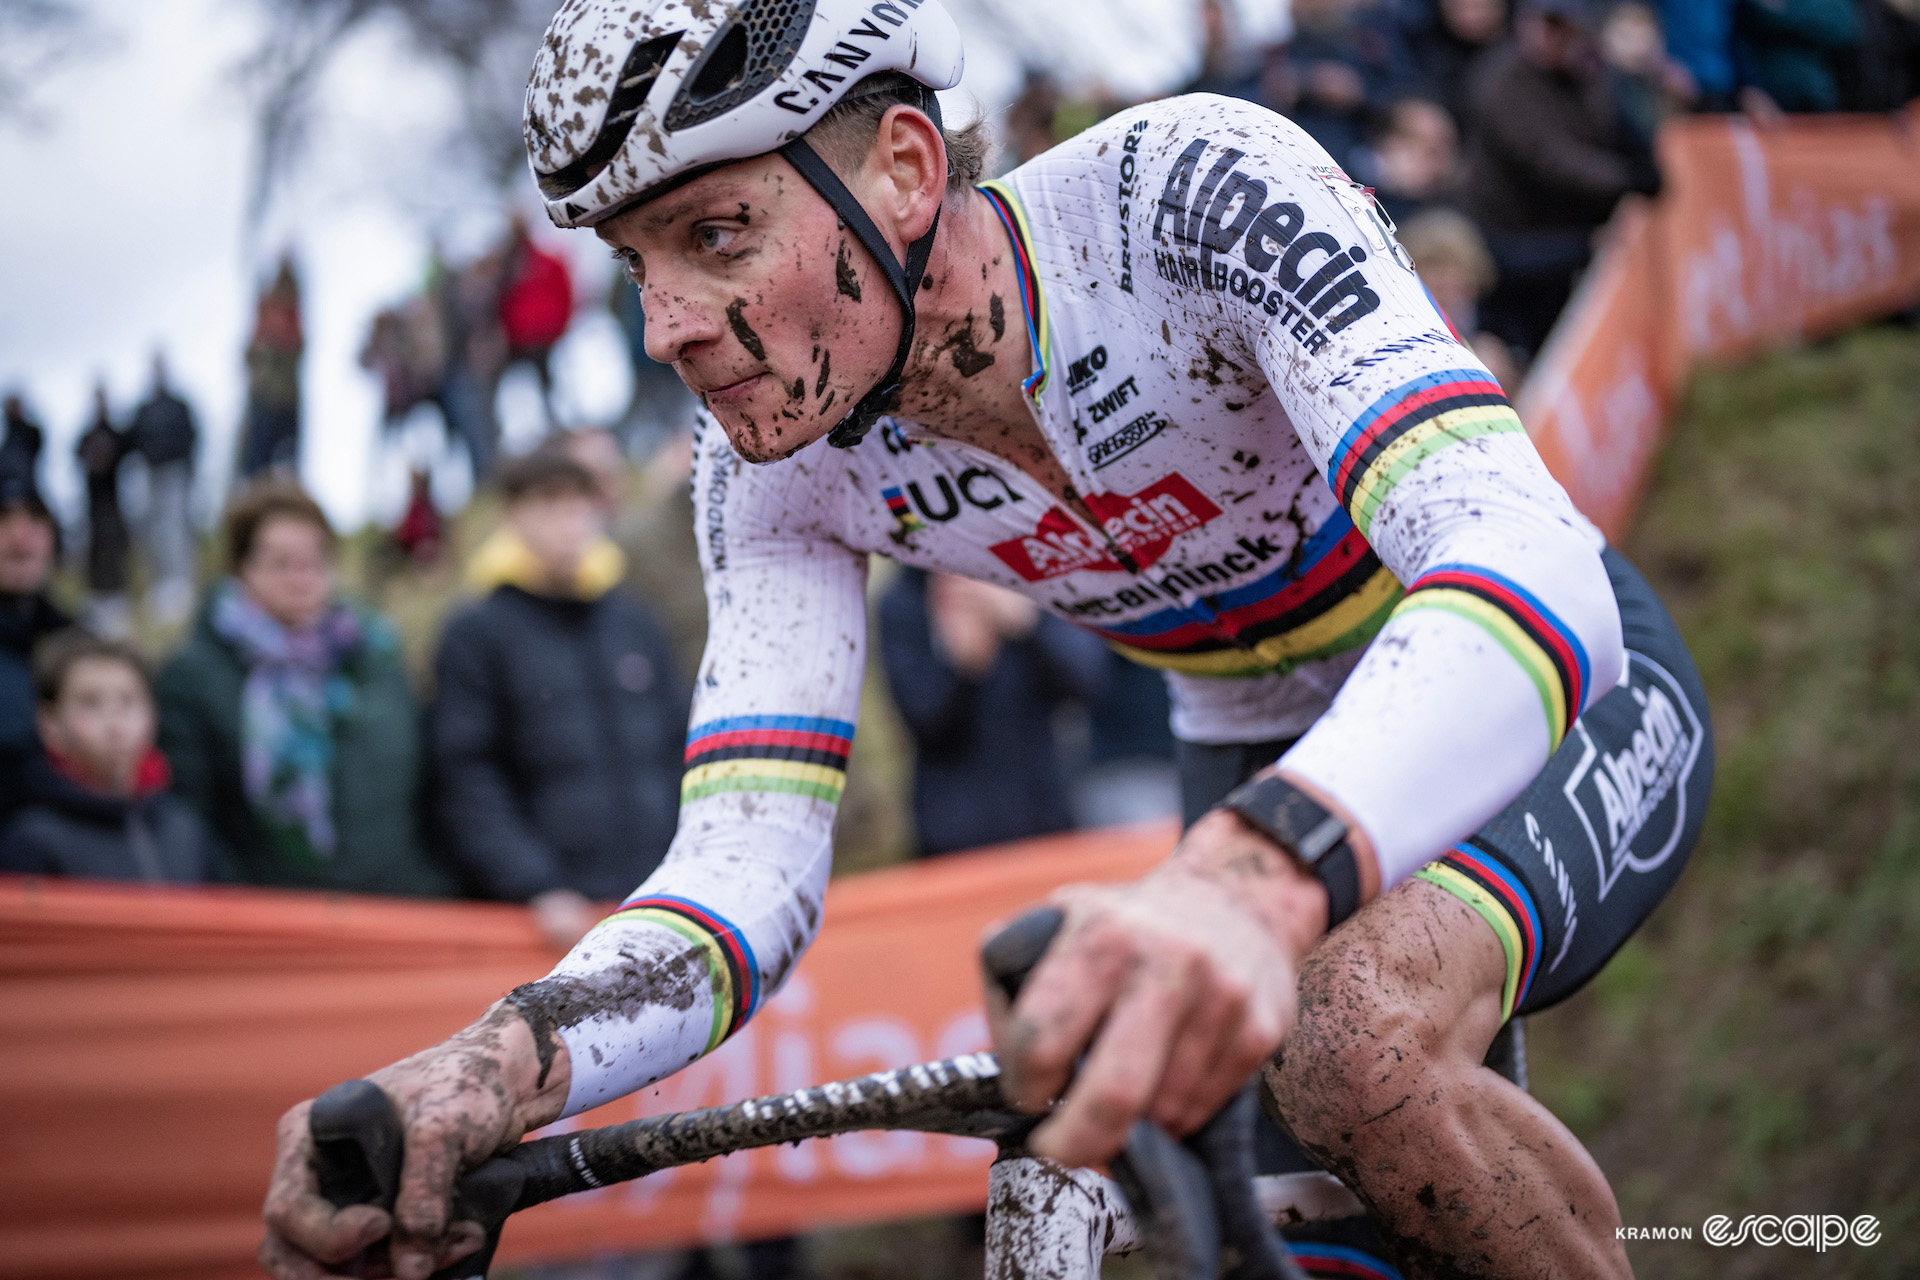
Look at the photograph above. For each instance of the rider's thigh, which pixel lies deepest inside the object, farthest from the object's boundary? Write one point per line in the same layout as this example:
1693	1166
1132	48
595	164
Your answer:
1413	982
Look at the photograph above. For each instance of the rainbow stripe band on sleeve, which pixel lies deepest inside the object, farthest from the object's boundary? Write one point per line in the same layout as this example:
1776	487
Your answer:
1545	647
1407	426
797	755
1499	898
730	960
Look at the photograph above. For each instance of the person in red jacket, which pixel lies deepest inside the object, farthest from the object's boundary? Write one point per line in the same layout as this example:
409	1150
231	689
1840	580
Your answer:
535	306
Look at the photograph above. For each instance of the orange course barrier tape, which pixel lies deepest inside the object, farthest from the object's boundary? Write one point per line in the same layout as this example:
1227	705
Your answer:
153	1037
1763	237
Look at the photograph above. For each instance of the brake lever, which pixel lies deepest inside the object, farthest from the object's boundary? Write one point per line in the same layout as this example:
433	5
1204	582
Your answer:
1191	1197
358	1148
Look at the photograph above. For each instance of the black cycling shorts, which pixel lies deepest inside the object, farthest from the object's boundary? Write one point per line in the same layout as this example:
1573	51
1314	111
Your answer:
1567	872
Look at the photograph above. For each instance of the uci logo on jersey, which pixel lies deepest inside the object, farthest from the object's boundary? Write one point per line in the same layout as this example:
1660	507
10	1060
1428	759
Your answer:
1307	278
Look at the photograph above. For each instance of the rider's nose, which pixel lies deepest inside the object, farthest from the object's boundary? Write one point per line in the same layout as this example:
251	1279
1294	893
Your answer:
676	322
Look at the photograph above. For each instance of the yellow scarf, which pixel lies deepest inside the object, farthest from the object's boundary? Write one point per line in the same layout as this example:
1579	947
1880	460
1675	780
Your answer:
504	559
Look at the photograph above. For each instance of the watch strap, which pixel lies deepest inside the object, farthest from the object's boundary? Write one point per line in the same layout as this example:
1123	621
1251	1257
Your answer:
1305	828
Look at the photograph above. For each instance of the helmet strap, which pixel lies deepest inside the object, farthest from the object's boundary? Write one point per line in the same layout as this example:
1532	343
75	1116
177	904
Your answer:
851	429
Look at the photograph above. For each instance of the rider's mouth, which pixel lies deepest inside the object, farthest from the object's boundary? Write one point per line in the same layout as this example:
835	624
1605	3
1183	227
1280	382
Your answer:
733	392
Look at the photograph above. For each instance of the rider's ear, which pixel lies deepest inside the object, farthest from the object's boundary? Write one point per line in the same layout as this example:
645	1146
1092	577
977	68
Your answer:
913	159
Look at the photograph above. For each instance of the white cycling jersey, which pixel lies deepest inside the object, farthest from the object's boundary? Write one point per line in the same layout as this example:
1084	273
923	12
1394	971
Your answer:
1318	514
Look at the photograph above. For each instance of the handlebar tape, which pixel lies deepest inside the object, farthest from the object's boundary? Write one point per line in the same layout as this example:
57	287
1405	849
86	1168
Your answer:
1190	1196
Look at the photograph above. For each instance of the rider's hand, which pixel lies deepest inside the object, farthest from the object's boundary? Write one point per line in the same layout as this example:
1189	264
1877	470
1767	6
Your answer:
1175	988
460	1102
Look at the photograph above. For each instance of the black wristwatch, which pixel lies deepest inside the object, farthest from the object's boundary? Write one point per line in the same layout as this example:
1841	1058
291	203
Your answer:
1292	819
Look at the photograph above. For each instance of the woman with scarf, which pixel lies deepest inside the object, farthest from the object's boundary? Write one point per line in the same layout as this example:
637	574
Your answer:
288	718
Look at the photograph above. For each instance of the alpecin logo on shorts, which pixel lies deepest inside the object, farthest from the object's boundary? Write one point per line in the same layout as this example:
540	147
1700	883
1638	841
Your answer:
1632	800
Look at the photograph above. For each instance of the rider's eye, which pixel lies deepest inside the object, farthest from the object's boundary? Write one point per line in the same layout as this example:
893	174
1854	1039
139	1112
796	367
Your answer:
712	237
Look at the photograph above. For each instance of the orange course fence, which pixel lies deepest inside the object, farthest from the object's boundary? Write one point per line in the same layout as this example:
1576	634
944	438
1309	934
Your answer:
1762	238
150	1038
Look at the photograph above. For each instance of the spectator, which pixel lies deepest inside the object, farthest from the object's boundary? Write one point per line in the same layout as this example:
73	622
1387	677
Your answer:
535	307
1883	73
272	436
1444	49
1414	163
163	433
20	451
468	302
421	532
1648	85
1457	270
1346	62
101	449
1549	157
1787	51
1699	38
96	800
977	672
1228	64
288	719
560	725
28	542
661	406
1130	775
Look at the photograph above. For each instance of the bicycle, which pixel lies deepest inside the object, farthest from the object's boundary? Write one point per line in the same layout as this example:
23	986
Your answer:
1185	1202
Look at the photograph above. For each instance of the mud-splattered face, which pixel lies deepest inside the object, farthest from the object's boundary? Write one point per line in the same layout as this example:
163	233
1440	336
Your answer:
768	308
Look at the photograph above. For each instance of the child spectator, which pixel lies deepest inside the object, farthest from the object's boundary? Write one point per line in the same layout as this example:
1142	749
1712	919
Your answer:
97	802
561	722
1454	264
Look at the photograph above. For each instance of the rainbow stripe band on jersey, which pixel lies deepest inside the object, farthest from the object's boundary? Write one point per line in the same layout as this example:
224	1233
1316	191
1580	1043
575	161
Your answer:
1545	647
1032	299
730	960
1332	596
795	755
897	504
1499	898
1407	426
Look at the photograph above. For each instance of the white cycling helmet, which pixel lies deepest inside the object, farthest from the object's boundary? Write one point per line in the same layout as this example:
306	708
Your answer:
630	99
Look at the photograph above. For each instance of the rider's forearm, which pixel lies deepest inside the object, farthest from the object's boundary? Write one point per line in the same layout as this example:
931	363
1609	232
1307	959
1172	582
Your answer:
521	1057
1261	876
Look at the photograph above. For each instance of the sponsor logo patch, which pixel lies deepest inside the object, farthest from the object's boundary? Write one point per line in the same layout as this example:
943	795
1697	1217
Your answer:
1126	439
1142	525
1633	802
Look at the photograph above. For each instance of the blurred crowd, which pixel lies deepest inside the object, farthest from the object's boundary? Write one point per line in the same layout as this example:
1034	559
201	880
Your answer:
1500	134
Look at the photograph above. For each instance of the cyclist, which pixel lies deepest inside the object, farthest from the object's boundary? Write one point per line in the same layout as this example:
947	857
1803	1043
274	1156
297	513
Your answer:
1176	382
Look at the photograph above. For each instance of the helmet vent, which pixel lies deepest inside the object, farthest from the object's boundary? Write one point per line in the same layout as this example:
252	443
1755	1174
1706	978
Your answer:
762	41
637	75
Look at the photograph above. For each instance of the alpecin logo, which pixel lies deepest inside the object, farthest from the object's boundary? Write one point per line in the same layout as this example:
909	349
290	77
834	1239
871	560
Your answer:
1633	801
1142	525
1316	287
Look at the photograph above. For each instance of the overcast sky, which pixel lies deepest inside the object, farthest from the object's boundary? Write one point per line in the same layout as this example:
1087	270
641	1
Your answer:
122	217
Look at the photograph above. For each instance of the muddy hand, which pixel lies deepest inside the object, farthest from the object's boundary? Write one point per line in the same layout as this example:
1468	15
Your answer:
461	1101
1159	998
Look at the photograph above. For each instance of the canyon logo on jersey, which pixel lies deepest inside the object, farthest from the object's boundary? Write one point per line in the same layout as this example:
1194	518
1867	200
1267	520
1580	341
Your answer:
1141	525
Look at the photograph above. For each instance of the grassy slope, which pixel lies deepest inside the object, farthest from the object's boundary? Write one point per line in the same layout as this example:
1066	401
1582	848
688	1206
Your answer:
1755	1049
